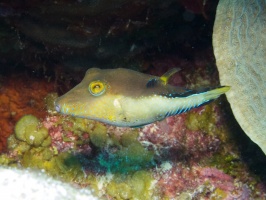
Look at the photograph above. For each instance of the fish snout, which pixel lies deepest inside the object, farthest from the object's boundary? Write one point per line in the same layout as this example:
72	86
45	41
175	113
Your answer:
57	107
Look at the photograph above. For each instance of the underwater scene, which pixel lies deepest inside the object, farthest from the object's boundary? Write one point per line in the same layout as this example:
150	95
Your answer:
133	100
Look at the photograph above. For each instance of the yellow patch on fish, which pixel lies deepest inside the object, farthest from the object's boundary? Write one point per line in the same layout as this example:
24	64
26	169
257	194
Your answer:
124	97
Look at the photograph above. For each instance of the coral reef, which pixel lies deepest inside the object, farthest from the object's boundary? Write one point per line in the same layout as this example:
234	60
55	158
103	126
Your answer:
173	158
202	182
45	49
186	133
188	156
241	62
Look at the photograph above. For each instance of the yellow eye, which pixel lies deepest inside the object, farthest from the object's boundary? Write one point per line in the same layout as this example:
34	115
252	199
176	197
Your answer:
97	88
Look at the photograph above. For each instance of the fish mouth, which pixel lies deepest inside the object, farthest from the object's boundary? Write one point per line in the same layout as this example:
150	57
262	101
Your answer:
57	108
65	108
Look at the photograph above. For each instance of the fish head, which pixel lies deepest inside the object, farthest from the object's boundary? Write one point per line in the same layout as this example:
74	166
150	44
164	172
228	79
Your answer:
92	98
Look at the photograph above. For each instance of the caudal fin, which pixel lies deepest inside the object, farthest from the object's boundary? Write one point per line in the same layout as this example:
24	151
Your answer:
195	99
215	93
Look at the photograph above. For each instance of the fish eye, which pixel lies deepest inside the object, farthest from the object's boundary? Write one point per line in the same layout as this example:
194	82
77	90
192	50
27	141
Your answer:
97	88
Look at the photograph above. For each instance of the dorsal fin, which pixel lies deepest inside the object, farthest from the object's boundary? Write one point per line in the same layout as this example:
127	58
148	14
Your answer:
166	76
163	79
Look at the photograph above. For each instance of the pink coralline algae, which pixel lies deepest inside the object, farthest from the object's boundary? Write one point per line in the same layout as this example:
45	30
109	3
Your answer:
204	182
172	134
63	139
217	178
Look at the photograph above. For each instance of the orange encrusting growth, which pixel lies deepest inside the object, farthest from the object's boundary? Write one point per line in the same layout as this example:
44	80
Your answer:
20	95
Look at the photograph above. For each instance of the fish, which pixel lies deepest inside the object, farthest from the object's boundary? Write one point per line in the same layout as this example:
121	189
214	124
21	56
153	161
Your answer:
127	98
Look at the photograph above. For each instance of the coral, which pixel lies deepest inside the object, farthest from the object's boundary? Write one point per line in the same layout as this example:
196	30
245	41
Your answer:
183	157
241	62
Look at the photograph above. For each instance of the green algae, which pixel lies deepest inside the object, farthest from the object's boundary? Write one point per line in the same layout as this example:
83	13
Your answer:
29	130
99	136
138	185
79	125
35	136
36	157
228	163
203	121
50	102
46	142
16	145
218	194
119	190
23	124
65	165
124	156
185	196
128	138
5	160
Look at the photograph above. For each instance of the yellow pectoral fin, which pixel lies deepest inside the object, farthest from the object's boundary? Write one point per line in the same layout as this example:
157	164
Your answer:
166	76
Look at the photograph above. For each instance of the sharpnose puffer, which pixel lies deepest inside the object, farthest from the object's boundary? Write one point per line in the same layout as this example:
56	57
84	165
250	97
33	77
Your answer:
124	97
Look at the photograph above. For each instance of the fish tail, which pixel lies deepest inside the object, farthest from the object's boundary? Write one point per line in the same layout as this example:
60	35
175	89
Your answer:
215	93
196	99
